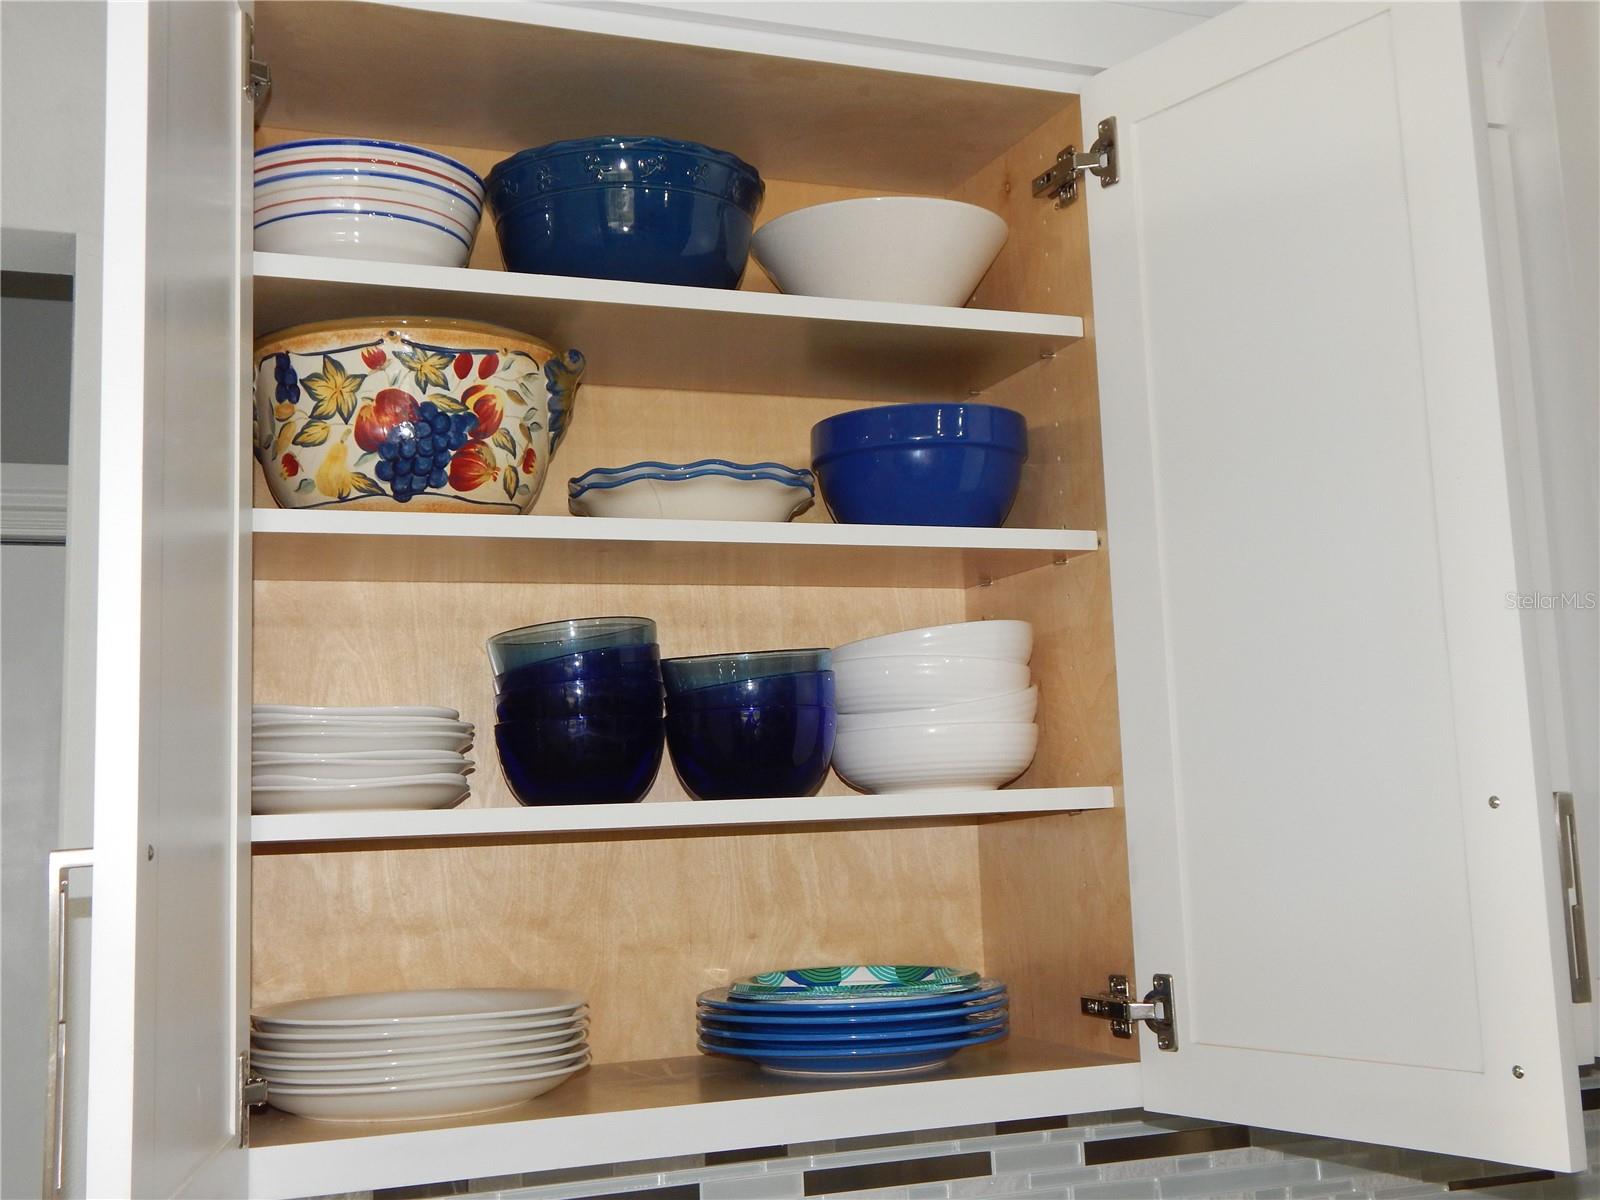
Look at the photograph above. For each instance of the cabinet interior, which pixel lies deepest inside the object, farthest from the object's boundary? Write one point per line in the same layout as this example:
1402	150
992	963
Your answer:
643	921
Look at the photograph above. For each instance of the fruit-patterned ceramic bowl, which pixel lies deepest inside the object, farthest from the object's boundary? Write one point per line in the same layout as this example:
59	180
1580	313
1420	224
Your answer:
410	414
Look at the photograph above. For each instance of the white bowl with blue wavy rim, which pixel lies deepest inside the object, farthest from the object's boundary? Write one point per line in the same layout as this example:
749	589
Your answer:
710	489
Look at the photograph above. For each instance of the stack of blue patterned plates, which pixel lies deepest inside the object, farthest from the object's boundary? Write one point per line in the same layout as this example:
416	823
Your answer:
853	1020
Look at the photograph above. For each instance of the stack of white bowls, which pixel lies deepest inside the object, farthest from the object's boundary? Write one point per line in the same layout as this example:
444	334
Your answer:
358	198
305	758
950	706
389	1056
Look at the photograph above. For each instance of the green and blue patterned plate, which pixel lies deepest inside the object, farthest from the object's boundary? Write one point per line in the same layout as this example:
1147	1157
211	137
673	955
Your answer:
855	980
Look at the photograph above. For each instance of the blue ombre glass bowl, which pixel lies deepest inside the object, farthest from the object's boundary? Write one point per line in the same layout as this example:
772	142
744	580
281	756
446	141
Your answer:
746	753
531	644
636	694
648	209
580	760
709	670
802	687
921	464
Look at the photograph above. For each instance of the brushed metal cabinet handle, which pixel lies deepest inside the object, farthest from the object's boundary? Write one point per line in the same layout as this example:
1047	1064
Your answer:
55	1103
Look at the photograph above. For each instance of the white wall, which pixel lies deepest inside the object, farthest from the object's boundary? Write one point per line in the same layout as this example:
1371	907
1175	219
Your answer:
52	151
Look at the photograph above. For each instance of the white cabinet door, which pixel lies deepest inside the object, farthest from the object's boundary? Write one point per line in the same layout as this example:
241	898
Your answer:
169	842
1340	826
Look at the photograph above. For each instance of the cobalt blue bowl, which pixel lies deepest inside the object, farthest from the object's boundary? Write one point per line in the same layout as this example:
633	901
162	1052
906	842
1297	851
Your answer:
585	665
921	464
801	687
648	209
635	695
580	760
744	753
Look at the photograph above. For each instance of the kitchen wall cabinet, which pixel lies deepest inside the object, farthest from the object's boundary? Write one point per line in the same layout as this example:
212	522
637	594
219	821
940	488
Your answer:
1291	751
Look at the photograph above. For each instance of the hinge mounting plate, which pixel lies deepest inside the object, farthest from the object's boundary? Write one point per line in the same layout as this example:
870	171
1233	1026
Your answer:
252	1092
1158	1010
258	75
1059	181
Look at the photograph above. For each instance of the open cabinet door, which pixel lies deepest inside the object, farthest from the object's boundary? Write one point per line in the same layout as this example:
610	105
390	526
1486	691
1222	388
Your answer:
170	868
1341	833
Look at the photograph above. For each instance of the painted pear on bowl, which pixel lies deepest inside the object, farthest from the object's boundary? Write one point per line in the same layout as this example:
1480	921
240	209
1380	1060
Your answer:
410	414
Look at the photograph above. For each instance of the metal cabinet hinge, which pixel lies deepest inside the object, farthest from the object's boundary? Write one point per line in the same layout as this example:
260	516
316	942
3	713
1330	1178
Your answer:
1158	1009
252	1093
1572	900
258	75
1060	181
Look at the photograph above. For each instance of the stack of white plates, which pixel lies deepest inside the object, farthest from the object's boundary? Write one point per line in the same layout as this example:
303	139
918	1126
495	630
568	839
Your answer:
391	1056
310	759
950	706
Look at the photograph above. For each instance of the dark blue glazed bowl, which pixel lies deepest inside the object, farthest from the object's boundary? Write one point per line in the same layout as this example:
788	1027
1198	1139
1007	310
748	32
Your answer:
586	665
647	209
801	687
580	760
638	694
921	464
743	753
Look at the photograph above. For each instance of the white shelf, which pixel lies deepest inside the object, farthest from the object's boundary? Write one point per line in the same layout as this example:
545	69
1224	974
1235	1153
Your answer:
696	339
454	823
318	544
695	1105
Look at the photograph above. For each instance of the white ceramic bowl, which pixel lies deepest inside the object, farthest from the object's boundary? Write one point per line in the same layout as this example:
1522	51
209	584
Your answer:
1011	708
310	157
277	794
421	1100
908	249
367	236
1009	640
337	1077
340	741
370	1040
333	768
872	685
398	712
402	1051
685	495
934	757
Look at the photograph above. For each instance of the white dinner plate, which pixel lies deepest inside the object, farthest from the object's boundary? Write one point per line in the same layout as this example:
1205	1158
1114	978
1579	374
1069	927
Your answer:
286	724
277	794
401	1050
339	741
330	710
420	1007
360	764
335	1077
417	1101
332	769
370	1040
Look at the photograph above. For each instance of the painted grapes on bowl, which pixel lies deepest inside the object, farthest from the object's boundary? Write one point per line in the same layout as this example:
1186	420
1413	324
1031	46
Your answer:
410	415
